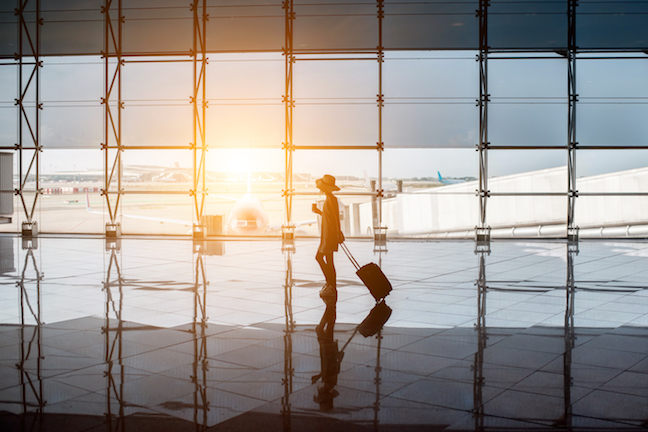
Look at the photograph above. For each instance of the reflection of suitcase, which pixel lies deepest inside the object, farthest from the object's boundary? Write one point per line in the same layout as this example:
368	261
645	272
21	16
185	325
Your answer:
372	324
375	320
372	276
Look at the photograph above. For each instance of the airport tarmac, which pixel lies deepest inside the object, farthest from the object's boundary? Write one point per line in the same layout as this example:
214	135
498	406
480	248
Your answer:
68	213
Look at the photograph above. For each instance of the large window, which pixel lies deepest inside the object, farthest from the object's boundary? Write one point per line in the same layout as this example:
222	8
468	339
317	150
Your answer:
433	119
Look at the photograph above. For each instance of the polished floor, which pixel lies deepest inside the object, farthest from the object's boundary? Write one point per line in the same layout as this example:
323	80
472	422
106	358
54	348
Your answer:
168	334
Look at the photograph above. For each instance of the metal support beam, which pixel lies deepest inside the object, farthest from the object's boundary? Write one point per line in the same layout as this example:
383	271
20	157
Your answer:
113	106
482	103
572	143
28	103
289	105
200	104
380	231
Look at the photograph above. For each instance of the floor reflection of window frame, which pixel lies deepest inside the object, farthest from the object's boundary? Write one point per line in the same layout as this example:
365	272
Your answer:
115	342
382	248
482	337
200	365
289	371
570	334
26	381
479	414
199	327
378	369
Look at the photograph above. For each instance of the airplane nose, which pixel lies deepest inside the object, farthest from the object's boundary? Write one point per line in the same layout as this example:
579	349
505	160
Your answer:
248	219
247	226
247	223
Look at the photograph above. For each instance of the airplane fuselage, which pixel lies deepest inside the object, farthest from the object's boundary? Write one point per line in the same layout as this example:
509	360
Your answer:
247	217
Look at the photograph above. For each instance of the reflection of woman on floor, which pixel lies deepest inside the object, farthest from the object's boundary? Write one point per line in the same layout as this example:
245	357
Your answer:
330	359
331	236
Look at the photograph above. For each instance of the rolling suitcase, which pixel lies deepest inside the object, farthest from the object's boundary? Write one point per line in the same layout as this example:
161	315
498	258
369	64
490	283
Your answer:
372	276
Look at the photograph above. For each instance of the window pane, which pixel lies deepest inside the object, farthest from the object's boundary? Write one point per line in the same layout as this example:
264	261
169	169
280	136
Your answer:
527	171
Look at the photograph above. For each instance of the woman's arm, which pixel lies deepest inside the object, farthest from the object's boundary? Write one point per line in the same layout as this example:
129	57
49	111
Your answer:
316	210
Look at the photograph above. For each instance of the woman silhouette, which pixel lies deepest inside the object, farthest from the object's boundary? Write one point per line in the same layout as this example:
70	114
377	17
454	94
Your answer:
331	237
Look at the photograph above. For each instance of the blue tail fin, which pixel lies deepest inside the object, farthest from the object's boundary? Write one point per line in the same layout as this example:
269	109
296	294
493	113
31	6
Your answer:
440	178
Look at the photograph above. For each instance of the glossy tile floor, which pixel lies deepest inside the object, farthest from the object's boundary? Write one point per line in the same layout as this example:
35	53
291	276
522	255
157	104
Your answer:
165	334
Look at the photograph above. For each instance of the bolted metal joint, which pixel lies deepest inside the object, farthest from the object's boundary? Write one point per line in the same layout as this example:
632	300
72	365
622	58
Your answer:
29	229
482	239
113	230
288	238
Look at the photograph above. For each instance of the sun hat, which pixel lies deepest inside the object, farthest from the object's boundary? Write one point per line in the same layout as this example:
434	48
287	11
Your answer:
327	183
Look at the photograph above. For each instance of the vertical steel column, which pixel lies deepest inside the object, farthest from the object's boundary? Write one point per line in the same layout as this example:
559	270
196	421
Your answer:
289	105
380	232
113	106
114	346
381	104
201	361
572	144
482	231
199	100
29	112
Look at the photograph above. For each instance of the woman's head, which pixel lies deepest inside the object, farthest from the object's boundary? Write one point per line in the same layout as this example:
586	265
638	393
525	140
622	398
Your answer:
327	184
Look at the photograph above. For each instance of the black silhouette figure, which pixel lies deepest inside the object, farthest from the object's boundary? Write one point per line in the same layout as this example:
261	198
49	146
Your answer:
331	236
330	358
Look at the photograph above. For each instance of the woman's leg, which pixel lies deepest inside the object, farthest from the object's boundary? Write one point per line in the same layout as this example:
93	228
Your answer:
328	268
332	280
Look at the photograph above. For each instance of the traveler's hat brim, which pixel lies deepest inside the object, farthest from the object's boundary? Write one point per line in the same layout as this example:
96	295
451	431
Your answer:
326	186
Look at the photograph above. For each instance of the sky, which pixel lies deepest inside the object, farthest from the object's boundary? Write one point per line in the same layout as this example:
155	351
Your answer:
430	102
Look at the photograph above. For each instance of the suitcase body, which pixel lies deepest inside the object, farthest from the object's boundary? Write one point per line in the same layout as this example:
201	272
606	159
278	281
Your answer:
372	276
375	280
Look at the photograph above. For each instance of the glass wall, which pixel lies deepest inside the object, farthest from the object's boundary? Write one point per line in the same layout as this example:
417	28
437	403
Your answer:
414	132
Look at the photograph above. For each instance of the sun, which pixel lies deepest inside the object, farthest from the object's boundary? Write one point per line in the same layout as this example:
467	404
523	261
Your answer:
230	160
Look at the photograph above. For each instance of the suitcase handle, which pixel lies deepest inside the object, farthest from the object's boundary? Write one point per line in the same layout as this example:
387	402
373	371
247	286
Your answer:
347	342
348	254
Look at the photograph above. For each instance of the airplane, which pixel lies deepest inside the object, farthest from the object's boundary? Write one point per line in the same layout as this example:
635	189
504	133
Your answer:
248	217
448	181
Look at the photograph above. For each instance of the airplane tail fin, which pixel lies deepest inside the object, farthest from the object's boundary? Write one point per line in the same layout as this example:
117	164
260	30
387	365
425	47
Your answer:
88	209
367	182
440	178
